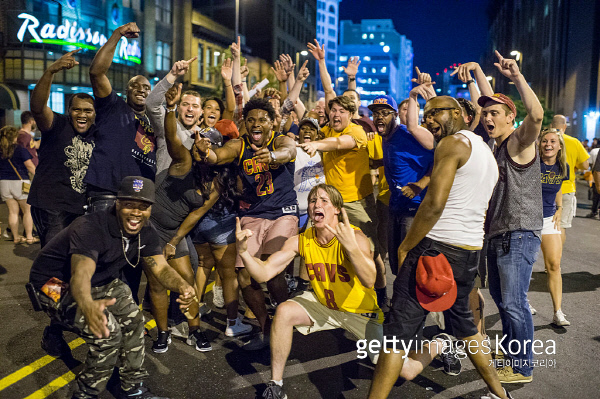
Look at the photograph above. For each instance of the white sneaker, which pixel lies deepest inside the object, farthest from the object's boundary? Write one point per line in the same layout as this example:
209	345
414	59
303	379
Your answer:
238	328
490	395
559	319
532	310
180	330
218	299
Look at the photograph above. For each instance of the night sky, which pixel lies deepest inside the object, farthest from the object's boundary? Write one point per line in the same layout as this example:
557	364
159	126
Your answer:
443	32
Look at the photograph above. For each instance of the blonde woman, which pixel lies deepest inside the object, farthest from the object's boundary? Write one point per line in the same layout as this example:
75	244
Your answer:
15	166
554	170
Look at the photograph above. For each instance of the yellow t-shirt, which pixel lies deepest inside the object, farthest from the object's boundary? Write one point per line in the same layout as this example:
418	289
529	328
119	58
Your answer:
576	154
375	147
348	170
333	278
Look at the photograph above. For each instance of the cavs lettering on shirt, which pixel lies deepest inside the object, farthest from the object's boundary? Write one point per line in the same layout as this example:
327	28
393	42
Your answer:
333	278
551	177
263	177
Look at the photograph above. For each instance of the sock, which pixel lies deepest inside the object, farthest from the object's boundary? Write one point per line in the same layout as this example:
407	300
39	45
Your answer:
280	382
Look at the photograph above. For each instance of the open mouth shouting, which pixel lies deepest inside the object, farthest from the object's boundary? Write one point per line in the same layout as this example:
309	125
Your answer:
256	135
81	123
318	216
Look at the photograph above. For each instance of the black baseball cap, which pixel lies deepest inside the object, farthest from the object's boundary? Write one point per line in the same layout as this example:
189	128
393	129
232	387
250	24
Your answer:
137	188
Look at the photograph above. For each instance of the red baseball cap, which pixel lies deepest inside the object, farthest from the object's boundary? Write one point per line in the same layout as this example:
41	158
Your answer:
227	128
500	99
436	288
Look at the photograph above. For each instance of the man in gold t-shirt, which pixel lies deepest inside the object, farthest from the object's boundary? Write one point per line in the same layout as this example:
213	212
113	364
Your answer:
346	162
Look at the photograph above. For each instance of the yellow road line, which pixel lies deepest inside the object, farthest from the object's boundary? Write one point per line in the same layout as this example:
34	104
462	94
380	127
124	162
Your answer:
44	361
53	386
31	368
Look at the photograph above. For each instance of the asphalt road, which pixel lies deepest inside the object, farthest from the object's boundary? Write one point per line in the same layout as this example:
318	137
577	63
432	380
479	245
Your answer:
322	365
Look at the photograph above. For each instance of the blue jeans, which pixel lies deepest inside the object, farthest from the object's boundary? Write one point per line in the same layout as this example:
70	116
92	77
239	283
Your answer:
509	274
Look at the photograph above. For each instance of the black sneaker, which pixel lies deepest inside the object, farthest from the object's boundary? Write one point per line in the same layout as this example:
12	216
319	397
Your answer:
448	355
161	345
274	391
199	338
54	343
140	392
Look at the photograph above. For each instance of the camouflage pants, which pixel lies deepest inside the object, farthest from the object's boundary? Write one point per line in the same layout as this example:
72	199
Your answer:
125	345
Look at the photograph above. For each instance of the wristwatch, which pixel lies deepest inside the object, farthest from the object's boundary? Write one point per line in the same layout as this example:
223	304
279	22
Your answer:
273	157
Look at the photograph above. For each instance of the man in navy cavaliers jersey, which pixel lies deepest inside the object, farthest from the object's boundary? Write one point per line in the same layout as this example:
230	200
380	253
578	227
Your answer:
266	163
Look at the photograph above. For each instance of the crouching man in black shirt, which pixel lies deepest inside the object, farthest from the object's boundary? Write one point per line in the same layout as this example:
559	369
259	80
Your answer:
90	254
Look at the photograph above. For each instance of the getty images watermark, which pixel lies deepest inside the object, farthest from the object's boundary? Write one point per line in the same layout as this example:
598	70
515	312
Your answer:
460	348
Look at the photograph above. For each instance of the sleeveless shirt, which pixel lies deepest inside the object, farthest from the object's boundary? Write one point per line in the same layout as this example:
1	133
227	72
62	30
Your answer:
517	200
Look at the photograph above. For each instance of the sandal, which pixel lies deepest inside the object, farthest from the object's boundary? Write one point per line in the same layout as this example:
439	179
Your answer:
20	240
33	240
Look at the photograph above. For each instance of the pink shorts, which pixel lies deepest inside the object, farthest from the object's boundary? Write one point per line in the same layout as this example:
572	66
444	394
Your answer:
268	235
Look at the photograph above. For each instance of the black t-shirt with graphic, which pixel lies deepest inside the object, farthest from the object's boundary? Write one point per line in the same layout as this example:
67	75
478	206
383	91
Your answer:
97	236
125	145
64	157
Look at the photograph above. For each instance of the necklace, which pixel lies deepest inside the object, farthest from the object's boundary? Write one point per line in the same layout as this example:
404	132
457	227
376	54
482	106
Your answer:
125	253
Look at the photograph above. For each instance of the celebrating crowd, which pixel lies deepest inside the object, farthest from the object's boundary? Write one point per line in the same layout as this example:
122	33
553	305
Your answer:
173	184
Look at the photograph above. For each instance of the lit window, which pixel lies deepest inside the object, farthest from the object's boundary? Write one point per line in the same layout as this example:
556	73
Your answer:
364	35
366	58
371	36
373	70
364	69
383	69
200	61
344	58
341	69
386	49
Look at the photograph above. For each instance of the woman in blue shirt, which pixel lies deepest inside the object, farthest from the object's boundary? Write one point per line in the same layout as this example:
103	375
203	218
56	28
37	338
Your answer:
15	166
554	171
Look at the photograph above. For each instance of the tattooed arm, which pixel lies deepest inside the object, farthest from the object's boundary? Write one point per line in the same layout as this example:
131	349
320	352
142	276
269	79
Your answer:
157	266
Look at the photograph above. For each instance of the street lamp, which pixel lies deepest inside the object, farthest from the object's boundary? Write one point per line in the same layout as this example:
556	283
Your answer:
492	82
518	57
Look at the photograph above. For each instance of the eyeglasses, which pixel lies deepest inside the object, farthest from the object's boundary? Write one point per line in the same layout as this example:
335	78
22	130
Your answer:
383	114
434	111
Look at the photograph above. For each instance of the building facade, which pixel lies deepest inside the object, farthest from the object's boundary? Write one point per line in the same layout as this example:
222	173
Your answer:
35	33
327	33
386	59
557	43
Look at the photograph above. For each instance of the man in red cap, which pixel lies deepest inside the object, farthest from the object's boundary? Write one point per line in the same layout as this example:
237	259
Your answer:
514	220
439	255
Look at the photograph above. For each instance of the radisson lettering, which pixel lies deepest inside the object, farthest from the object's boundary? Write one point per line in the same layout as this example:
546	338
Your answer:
70	34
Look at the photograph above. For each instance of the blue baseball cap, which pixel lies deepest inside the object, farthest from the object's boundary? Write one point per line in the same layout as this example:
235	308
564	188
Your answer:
384	100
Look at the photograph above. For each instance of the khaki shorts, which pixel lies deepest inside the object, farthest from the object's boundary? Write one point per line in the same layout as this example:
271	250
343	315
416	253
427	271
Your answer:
363	214
268	235
569	205
324	318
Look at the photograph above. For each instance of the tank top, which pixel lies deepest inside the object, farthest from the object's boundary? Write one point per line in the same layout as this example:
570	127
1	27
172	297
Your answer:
176	197
461	223
517	200
268	189
333	278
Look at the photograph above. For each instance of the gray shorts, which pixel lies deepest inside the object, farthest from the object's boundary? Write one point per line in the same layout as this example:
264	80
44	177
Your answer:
12	189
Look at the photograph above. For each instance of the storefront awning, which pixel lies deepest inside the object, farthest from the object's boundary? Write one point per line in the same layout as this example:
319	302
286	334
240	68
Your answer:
8	98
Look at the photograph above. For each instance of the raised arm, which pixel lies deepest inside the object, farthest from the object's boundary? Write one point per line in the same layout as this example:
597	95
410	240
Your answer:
82	270
181	158
303	74
263	271
289	66
529	130
157	95
318	52
464	74
103	59
226	74
423	136
351	70
282	77
236	55
41	93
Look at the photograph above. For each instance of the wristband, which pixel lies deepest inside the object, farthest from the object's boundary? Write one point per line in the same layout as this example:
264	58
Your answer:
558	206
470	81
227	85
351	79
172	109
173	246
